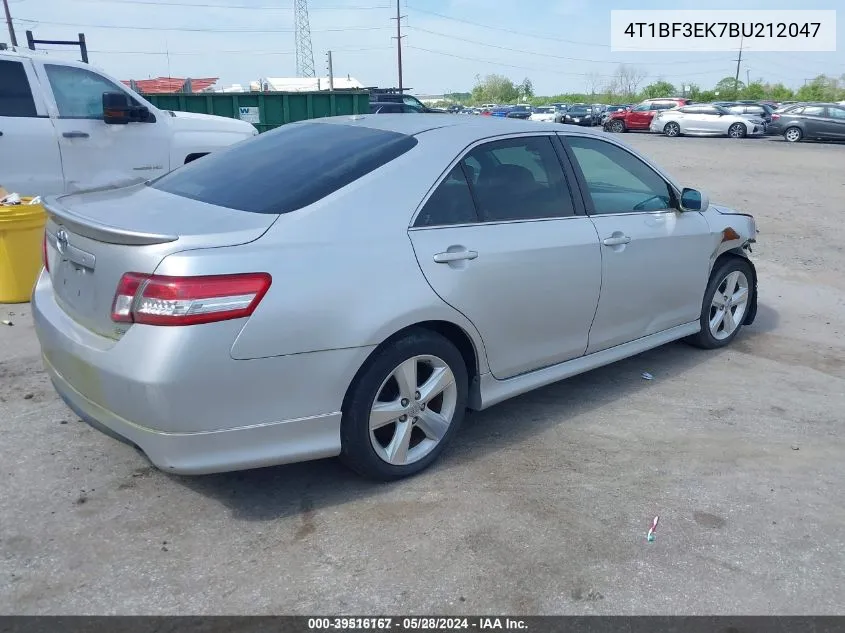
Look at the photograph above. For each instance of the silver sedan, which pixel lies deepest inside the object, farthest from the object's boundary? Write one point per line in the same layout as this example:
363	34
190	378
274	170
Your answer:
350	286
706	120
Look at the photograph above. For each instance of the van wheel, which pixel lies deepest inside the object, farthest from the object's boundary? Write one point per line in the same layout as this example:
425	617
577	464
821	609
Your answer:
404	407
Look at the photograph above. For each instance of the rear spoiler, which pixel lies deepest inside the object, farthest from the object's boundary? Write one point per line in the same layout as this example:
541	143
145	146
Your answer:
101	231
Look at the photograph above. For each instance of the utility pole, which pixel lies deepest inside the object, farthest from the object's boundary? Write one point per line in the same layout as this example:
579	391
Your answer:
738	62
12	37
399	37
331	73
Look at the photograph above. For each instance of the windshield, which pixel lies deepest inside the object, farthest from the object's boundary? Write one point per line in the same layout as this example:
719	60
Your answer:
544	110
579	109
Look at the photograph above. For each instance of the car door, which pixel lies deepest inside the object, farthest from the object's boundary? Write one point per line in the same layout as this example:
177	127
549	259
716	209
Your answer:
94	153
501	240
655	259
813	119
29	151
640	117
711	120
836	121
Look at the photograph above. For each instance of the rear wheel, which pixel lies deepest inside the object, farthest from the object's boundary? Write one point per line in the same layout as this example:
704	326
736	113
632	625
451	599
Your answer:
725	304
737	130
672	129
793	134
617	126
404	407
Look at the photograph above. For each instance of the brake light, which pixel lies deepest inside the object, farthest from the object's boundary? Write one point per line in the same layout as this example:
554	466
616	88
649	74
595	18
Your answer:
775	116
44	259
163	300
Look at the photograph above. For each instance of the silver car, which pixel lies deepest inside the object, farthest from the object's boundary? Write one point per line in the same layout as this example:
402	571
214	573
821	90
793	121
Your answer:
706	119
350	286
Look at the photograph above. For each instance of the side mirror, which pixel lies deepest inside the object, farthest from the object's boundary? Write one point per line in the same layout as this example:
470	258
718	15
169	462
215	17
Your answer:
118	110
694	200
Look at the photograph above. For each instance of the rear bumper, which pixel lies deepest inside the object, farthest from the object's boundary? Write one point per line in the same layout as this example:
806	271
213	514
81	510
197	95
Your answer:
178	395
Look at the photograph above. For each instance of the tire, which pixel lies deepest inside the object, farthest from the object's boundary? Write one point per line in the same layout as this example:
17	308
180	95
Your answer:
368	452
737	130
617	126
793	134
672	129
735	272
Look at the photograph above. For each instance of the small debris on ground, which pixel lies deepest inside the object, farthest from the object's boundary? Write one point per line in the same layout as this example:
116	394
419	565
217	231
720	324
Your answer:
7	322
795	447
29	396
647	376
652	530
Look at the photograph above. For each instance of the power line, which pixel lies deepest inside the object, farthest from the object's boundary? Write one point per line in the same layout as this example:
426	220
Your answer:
506	30
543	70
159	3
520	50
196	30
228	52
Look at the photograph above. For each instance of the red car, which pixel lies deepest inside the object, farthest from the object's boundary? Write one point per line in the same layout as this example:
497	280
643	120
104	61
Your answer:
639	117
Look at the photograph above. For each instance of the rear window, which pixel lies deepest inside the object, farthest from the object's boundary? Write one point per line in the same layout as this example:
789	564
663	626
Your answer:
286	169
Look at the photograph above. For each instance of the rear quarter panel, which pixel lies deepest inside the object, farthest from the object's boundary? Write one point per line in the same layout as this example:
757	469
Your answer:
344	272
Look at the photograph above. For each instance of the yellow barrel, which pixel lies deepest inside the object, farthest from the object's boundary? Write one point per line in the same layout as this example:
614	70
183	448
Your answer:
21	233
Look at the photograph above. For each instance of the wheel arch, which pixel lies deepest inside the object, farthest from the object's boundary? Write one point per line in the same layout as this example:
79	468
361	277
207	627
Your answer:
739	253
452	332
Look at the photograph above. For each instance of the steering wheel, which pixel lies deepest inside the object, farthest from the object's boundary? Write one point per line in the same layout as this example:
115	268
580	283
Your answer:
640	206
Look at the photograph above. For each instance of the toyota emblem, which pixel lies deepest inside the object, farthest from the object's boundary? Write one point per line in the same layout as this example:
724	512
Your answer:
61	241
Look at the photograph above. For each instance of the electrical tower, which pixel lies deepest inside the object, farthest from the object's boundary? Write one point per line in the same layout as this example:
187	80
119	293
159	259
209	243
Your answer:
302	35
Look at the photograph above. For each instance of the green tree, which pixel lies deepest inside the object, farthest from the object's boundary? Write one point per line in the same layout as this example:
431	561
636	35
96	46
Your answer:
658	89
754	90
822	88
526	88
729	87
494	89
779	92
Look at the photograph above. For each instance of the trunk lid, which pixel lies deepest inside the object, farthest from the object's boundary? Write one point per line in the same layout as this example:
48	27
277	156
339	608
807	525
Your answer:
94	238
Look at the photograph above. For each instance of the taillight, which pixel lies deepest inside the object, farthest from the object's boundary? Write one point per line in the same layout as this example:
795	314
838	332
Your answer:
775	116
44	259
161	300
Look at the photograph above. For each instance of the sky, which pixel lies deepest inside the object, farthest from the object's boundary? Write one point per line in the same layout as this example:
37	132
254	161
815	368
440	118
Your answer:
561	45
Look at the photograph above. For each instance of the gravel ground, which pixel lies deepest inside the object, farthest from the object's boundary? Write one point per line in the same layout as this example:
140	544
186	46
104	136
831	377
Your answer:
543	502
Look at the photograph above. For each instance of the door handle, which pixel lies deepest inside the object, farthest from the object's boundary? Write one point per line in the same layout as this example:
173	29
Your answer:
75	134
616	241
445	258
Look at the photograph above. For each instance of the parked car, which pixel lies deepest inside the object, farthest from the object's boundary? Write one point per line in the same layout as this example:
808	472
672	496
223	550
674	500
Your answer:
66	126
639	117
580	115
754	110
611	109
389	95
544	113
820	121
519	111
389	107
500	111
706	119
202	333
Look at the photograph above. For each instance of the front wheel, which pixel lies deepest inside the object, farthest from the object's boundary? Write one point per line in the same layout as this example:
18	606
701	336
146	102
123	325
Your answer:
793	134
617	126
672	129
737	130
725	306
404	407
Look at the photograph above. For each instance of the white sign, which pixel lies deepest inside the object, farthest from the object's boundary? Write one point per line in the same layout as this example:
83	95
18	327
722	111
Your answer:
723	30
249	114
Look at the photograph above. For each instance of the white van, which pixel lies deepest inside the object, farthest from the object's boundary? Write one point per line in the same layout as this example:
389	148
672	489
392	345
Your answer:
55	137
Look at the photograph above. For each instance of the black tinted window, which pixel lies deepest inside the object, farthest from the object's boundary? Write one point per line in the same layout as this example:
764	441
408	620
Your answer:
286	169
451	203
519	179
618	181
15	94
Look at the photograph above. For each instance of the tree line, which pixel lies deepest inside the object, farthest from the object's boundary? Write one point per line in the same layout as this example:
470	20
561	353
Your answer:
626	86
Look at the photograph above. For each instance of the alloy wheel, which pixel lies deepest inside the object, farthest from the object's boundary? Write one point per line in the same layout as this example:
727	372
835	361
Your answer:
413	410
617	126
672	129
729	305
737	130
793	134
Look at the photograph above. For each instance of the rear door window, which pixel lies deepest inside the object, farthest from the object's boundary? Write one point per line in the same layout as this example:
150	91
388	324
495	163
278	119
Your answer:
286	169
451	203
15	94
